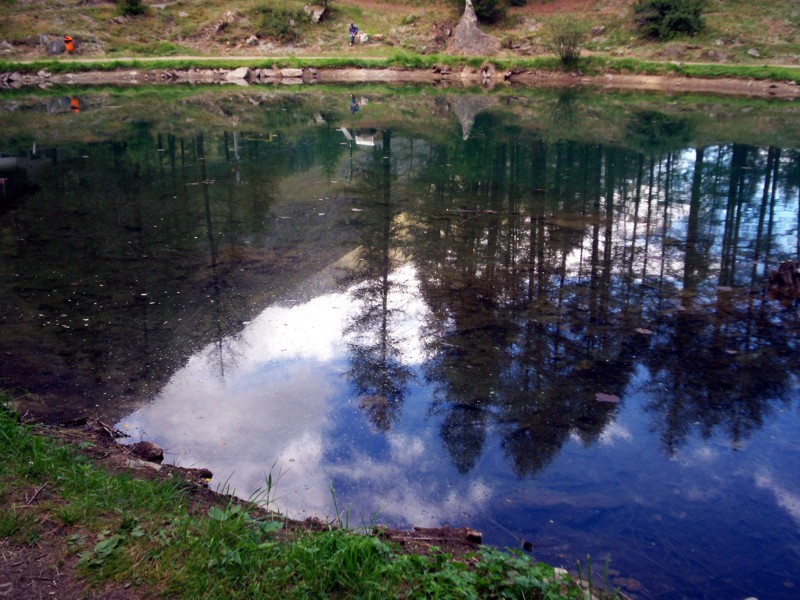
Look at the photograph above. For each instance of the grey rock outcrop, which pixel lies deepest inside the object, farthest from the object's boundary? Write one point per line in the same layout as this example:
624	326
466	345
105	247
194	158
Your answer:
468	39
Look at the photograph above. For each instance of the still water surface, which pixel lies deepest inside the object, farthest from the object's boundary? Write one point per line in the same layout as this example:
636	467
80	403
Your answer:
541	316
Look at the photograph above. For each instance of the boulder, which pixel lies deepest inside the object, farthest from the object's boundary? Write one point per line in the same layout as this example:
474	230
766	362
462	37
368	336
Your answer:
315	12
291	73
56	47
238	74
468	39
148	451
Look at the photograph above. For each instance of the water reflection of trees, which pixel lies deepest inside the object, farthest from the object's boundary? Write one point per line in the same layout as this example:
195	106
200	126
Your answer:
376	367
551	271
555	271
153	245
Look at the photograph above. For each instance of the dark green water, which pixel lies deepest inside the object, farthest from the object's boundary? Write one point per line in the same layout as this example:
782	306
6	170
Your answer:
541	314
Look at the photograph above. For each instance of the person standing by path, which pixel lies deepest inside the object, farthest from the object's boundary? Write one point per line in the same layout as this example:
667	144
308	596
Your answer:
353	31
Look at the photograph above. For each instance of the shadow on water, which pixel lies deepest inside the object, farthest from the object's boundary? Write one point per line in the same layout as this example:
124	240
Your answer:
542	315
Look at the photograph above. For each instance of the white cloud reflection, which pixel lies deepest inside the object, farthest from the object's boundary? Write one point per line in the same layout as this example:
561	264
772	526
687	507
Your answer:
274	411
786	499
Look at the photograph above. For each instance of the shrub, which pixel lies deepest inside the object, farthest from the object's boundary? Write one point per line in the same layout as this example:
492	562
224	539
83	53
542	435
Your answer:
488	11
132	8
280	23
565	36
665	19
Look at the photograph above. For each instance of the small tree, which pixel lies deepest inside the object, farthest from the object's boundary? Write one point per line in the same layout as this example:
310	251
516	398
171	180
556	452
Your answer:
565	36
665	19
280	23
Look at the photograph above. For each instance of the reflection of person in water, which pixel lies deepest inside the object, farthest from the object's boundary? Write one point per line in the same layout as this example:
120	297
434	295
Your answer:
75	104
353	31
353	104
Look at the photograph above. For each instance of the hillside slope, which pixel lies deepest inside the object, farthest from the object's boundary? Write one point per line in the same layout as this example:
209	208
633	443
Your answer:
738	31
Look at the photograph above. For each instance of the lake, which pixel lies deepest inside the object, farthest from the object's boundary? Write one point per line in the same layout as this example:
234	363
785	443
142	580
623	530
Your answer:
543	314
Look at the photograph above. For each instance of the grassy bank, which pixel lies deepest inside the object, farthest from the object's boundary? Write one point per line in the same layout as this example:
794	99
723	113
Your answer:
123	535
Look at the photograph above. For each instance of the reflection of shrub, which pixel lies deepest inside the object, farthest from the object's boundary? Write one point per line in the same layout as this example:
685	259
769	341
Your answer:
280	23
131	8
565	36
664	19
653	131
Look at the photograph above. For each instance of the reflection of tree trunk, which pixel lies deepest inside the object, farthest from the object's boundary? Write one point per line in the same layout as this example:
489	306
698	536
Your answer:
665	224
761	215
771	221
636	201
733	215
212	247
386	185
595	293
691	262
611	180
650	193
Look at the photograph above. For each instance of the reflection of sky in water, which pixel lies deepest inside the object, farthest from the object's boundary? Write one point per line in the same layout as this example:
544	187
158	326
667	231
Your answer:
545	272
282	401
285	405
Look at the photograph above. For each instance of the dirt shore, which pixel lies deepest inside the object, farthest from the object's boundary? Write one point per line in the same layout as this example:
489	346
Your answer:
485	77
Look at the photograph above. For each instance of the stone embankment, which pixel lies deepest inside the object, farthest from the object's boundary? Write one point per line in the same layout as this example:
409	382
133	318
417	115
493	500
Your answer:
486	76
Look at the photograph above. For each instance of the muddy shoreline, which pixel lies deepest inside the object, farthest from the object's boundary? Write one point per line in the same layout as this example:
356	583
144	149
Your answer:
486	77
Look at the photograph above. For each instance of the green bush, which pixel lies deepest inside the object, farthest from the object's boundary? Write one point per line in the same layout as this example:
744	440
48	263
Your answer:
132	8
488	11
665	19
565	36
281	23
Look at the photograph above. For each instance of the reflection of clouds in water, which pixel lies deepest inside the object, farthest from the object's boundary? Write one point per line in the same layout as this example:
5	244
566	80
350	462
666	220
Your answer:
276	417
613	433
272	412
406	449
407	311
697	456
411	313
786	499
311	331
411	492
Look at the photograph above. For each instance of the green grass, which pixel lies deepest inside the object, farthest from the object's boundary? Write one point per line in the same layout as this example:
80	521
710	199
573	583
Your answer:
128	531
